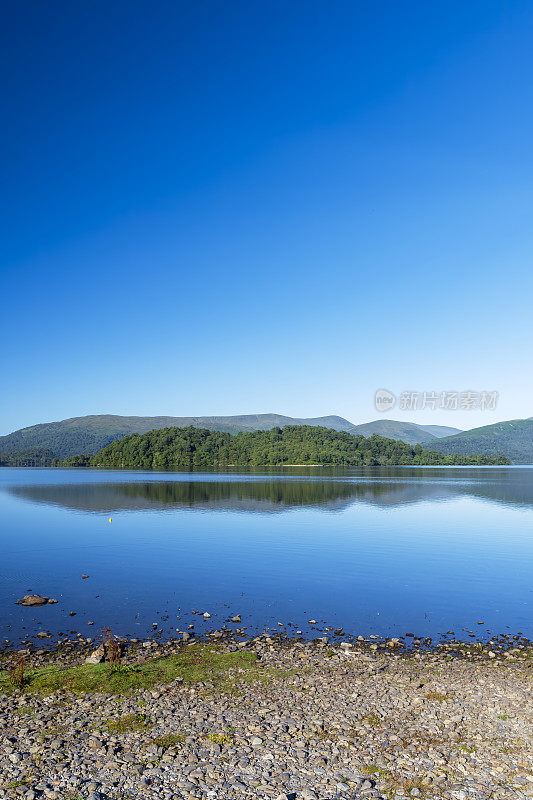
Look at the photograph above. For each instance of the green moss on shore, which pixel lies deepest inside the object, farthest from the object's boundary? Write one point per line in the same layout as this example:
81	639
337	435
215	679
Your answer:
199	663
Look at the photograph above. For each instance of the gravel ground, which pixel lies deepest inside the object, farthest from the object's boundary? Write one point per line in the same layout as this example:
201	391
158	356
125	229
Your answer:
345	721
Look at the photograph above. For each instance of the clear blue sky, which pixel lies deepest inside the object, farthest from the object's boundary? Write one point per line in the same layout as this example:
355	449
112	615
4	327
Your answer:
218	208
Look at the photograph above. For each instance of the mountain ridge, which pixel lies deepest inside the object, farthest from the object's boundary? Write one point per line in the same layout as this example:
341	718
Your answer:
90	433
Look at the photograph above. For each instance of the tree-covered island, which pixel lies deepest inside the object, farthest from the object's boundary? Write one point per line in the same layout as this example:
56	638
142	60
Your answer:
198	448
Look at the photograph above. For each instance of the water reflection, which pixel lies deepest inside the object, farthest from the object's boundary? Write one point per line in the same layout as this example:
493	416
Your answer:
274	494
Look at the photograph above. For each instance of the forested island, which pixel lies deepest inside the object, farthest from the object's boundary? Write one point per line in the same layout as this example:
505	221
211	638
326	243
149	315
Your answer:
198	448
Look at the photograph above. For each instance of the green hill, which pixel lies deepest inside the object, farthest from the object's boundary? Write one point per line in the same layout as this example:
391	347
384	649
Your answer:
197	448
89	434
514	438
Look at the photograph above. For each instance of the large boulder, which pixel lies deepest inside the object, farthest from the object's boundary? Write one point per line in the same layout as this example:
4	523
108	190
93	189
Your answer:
33	600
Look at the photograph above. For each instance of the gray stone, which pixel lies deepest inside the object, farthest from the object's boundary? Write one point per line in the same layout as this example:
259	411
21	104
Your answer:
97	656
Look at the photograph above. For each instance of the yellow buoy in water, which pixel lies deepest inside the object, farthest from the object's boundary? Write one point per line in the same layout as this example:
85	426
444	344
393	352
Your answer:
109	519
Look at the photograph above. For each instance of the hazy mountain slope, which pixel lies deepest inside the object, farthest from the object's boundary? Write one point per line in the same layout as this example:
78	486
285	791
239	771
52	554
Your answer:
513	439
440	430
89	434
407	432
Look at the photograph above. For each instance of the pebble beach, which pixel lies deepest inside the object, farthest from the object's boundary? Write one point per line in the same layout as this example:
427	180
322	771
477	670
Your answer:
287	719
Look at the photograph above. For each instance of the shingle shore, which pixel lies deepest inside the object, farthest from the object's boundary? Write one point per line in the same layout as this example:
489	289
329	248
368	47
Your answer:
337	720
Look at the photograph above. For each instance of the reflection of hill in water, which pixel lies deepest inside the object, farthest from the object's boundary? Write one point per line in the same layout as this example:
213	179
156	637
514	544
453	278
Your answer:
270	496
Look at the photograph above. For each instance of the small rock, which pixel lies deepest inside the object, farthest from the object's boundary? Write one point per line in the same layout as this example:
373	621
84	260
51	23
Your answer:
97	656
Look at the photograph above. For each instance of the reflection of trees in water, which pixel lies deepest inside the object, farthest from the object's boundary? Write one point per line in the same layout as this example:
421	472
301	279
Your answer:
511	487
266	496
278	493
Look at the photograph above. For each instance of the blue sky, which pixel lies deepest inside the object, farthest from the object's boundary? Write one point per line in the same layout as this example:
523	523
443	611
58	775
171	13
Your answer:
249	207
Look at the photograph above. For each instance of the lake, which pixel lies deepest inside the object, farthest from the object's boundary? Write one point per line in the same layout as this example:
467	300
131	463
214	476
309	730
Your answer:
375	550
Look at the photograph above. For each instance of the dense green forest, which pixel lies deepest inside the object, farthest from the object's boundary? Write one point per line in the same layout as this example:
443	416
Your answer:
33	457
197	448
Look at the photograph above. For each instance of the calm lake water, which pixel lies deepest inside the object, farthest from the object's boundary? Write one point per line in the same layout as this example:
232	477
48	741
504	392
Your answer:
375	551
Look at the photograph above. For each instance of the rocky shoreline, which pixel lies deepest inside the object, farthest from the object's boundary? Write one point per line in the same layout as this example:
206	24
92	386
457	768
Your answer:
274	717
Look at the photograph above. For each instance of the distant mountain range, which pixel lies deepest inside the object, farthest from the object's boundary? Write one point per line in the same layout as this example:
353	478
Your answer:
513	438
89	434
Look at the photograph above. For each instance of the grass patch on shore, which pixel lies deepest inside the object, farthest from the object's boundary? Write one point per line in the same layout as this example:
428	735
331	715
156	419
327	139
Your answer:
169	740
437	696
25	711
226	737
371	720
370	769
130	722
16	784
199	663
